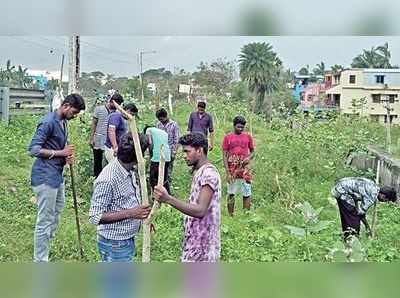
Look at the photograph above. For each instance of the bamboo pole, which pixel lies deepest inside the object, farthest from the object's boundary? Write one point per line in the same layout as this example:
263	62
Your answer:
142	179
78	227
160	182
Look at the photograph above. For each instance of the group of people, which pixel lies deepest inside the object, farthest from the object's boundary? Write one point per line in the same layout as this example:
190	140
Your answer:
116	207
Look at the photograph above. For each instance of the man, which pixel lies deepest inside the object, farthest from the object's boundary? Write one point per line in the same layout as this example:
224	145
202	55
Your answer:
202	213
156	138
115	206
202	122
238	150
98	134
172	129
355	195
117	127
49	146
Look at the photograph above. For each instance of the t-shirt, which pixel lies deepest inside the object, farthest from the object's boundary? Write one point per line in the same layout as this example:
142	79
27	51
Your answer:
116	120
159	137
239	147
201	242
100	136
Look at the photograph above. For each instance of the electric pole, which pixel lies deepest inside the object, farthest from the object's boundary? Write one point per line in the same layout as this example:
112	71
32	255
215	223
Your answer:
74	63
141	53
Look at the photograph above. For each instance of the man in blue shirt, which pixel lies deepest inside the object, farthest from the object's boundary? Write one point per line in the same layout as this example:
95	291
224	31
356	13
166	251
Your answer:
49	146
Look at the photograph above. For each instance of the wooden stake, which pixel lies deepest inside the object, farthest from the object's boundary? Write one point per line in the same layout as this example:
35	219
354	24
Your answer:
142	179
375	212
78	228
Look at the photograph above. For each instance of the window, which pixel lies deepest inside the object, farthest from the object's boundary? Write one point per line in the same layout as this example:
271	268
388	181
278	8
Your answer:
352	79
376	98
391	118
380	79
392	98
336	99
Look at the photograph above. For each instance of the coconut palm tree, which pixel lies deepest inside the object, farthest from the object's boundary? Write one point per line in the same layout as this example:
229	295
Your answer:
320	69
260	67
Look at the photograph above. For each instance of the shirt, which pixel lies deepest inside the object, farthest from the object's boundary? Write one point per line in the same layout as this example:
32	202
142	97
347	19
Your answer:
158	138
352	189
202	241
100	136
51	133
172	129
203	124
116	120
239	147
115	189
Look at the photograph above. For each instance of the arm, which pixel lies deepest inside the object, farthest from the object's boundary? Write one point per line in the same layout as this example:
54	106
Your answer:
175	139
195	210
102	195
93	130
367	227
212	137
43	132
113	137
212	134
190	123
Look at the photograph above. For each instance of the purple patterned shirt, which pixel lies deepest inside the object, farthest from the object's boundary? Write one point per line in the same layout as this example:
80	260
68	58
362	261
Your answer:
172	129
201	241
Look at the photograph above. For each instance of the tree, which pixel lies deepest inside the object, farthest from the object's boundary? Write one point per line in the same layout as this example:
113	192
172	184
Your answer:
305	70
378	57
260	67
336	68
320	69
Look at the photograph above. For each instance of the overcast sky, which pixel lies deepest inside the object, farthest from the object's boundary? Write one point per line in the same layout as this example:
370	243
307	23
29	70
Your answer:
118	55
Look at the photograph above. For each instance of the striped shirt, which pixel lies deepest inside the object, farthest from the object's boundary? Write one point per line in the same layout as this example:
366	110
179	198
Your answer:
172	129
115	190
352	189
101	114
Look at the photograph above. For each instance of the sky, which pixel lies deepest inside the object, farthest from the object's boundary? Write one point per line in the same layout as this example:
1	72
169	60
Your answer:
118	55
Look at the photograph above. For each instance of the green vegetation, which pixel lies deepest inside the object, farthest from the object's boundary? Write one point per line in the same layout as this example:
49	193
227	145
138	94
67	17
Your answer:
292	166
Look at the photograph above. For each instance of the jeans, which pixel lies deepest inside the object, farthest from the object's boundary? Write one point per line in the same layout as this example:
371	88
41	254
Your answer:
116	250
50	202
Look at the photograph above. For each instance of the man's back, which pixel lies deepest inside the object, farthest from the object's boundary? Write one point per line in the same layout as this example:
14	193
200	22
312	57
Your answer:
159	137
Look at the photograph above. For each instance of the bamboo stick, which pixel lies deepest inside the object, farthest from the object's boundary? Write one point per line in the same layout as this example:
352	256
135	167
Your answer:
375	212
142	179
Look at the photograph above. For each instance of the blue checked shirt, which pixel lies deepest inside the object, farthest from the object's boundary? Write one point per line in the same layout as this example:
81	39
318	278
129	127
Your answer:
352	189
115	189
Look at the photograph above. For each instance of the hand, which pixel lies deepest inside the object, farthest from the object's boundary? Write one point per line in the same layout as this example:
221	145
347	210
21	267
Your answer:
160	194
173	154
229	178
369	233
115	149
246	161
91	142
210	147
68	151
139	212
70	160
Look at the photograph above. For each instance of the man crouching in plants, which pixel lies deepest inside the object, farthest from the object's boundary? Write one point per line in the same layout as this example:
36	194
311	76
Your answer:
238	150
115	206
355	195
202	213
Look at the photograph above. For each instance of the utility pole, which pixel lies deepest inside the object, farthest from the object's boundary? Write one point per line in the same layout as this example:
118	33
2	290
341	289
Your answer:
386	101
74	63
141	53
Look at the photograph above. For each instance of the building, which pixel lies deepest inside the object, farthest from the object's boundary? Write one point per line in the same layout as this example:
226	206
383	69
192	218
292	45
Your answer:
363	91
301	82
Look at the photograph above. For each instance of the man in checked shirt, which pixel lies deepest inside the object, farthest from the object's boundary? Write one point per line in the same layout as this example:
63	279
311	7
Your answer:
355	195
115	206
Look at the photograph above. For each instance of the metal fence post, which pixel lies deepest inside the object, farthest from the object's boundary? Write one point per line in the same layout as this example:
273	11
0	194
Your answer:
5	104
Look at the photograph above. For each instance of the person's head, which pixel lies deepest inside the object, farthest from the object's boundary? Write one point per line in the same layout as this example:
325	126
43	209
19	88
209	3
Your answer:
387	194
117	98
201	107
239	123
162	115
126	148
195	147
131	108
71	106
147	126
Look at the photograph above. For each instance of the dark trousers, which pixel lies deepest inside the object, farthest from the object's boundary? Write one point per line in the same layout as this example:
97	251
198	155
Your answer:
97	161
350	220
154	175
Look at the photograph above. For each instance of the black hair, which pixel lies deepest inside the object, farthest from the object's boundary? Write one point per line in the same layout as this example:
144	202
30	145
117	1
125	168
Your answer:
75	100
161	113
146	127
117	98
201	104
126	147
389	193
131	107
196	140
239	120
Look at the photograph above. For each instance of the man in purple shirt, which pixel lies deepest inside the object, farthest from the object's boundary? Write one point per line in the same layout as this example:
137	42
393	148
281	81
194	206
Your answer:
172	129
202	122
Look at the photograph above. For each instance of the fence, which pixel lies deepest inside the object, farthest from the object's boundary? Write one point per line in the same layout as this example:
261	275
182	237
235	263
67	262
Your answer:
19	101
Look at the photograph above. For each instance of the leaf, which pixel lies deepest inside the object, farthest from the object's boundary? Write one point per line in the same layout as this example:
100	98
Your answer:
298	232
321	225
